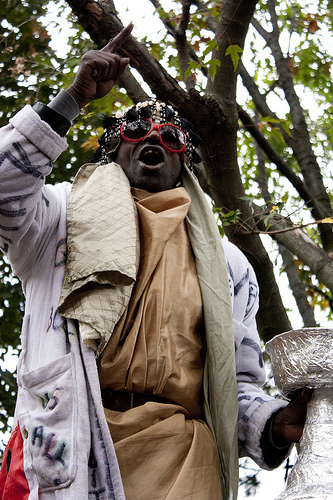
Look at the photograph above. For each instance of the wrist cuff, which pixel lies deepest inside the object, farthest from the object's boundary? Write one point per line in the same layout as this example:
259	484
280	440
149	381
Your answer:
64	104
57	121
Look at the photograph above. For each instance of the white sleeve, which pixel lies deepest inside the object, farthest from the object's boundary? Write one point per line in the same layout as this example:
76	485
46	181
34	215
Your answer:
255	406
28	146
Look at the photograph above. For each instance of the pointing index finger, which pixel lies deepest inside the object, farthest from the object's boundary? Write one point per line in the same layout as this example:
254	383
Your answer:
116	42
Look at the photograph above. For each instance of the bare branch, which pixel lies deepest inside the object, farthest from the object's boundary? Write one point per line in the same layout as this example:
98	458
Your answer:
167	23
262	32
325	295
296	285
182	46
184	20
298	243
260	101
300	140
298	288
281	165
262	173
301	143
133	87
173	32
274	18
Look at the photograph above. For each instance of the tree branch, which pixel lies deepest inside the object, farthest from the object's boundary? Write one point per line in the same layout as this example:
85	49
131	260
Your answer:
167	23
298	288
298	243
325	295
173	32
260	102
281	165
262	32
262	173
301	143
296	285
220	158
101	22
274	18
182	46
209	20
132	87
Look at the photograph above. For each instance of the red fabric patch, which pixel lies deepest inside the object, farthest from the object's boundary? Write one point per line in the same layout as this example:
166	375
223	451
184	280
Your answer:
13	483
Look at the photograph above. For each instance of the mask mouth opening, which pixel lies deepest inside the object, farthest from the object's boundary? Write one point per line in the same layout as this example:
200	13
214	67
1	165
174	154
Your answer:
151	156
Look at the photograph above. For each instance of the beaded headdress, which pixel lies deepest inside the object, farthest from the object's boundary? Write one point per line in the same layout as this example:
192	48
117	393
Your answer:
156	111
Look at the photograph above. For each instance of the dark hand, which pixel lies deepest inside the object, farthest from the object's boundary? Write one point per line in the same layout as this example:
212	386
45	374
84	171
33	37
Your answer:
99	70
288	423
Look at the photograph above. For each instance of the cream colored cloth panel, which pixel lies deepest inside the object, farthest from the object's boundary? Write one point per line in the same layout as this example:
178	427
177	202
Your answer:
102	251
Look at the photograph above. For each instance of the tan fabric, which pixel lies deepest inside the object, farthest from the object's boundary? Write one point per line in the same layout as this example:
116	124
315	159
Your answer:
102	252
159	448
164	455
157	330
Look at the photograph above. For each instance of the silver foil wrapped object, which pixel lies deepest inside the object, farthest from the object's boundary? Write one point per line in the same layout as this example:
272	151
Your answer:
304	358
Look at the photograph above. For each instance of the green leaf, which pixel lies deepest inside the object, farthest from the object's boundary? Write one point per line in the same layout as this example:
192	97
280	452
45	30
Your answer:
193	65
233	51
161	12
209	47
213	64
270	119
285	125
285	197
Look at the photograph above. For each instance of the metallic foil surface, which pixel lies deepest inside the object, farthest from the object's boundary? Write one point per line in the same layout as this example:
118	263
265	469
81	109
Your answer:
304	358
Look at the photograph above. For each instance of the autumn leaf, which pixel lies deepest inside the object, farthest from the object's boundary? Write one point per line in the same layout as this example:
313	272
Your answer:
91	143
203	39
293	67
19	66
327	220
327	68
313	26
196	45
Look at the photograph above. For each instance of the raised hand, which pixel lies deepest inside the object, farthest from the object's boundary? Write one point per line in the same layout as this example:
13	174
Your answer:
99	70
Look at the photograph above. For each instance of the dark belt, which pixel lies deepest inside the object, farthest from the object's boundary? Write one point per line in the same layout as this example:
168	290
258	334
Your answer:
123	401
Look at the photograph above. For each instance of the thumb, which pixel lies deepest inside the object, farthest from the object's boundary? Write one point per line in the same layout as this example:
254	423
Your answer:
302	397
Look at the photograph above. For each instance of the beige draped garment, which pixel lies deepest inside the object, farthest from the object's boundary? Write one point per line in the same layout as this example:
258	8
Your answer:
165	451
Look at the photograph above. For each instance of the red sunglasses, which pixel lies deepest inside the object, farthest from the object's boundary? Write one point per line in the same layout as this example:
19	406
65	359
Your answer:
172	138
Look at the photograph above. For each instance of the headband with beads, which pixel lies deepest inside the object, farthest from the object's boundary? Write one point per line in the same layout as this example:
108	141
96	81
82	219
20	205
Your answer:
156	111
